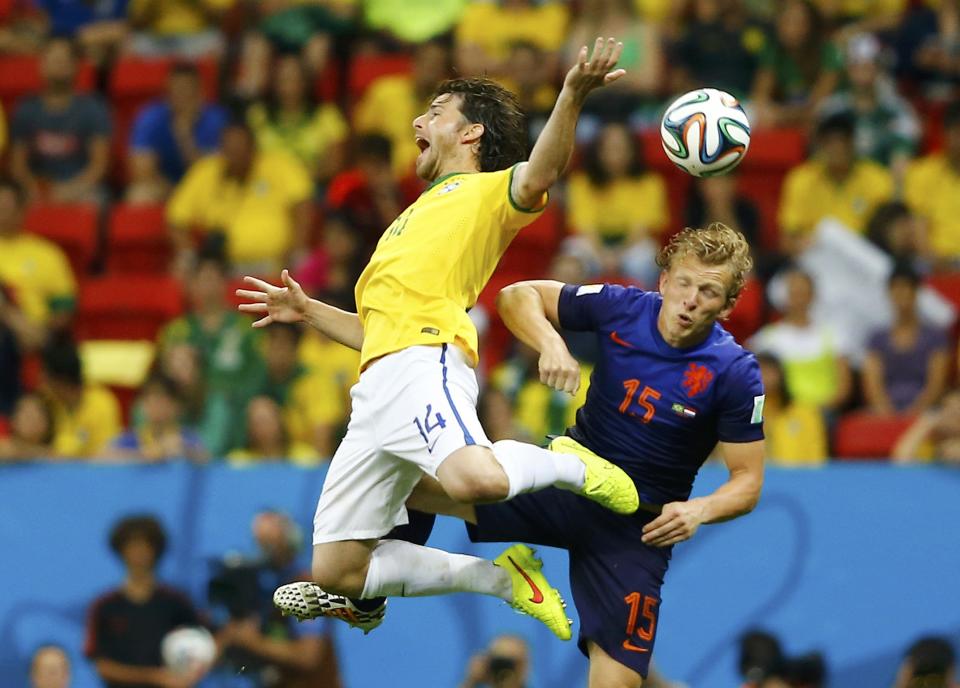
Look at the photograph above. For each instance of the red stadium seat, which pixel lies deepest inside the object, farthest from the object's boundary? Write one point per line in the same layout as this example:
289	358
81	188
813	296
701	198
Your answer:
73	227
137	240
327	85
20	75
948	285
530	253
365	69
747	315
862	435
127	306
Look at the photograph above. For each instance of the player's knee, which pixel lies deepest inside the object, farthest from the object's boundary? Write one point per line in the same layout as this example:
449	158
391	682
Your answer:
472	475
338	576
477	487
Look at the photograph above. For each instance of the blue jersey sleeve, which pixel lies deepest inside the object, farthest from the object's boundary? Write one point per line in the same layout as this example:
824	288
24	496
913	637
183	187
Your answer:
741	402
587	307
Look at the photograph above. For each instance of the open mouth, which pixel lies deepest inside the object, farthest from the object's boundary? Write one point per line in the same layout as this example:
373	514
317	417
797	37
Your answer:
422	144
685	319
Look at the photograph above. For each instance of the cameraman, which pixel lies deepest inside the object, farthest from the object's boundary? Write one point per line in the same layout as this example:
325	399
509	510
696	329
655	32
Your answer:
505	664
271	650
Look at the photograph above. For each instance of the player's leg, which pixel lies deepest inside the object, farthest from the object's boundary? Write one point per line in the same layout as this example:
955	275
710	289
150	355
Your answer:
450	444
606	672
429	498
616	581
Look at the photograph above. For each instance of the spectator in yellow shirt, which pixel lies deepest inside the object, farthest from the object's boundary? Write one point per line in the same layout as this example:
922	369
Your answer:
796	433
177	28
834	184
487	30
392	102
269	440
259	200
37	288
86	417
617	208
932	190
291	122
37	292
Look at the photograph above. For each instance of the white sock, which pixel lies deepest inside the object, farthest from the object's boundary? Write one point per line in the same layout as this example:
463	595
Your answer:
402	569
531	468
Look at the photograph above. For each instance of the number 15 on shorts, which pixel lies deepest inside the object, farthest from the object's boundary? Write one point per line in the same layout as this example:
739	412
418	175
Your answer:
431	421
641	621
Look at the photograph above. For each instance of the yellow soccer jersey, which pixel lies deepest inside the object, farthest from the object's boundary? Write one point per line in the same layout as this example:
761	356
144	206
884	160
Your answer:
431	264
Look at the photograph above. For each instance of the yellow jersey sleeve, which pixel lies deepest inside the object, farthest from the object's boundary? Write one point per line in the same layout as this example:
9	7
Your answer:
60	284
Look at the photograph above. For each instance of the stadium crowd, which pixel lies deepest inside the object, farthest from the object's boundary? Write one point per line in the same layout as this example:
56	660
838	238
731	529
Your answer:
154	151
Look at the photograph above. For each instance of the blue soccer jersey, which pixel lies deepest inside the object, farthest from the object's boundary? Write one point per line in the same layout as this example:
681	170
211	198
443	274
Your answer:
655	410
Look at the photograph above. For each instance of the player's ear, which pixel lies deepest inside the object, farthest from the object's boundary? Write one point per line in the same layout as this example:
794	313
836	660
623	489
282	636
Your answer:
661	281
471	133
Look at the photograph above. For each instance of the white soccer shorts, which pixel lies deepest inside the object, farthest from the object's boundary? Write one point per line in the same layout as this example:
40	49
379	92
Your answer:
411	410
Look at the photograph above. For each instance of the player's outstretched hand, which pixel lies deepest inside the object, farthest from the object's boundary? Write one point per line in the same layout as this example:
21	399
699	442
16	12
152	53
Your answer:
286	304
678	521
599	71
559	370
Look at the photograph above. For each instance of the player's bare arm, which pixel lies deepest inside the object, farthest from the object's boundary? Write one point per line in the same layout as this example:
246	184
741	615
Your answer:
553	148
738	496
290	304
529	310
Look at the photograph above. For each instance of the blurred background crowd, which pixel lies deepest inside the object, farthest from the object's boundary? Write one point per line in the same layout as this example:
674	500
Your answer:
154	151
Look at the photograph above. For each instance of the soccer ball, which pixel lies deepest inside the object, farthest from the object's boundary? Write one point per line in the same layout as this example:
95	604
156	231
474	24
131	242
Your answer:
705	132
188	649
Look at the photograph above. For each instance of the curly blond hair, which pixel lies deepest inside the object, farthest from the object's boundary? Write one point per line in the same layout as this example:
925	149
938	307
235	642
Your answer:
715	245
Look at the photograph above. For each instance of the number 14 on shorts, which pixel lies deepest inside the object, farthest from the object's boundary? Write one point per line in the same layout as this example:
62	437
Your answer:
429	425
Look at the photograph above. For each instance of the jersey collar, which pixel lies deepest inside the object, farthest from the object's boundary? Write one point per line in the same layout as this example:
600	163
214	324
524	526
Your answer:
445	177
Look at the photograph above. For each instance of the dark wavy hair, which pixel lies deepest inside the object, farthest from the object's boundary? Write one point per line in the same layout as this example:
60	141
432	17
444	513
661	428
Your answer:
139	526
593	165
483	101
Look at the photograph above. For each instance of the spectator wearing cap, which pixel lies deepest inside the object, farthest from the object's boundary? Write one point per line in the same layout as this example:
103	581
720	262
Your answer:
930	663
932	190
259	201
886	127
170	134
86	416
906	367
833	183
126	626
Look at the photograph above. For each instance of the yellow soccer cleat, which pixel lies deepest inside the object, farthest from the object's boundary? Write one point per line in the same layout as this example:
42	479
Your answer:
532	594
603	482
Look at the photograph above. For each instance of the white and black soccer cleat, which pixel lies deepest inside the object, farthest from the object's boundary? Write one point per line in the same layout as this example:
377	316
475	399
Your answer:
308	601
